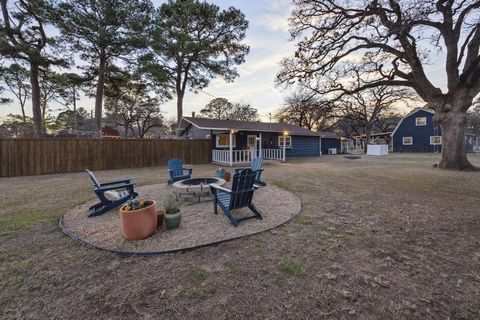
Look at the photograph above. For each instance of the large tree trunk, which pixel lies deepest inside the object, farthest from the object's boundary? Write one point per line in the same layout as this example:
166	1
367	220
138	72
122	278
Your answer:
180	95
368	131
97	131
36	106
453	124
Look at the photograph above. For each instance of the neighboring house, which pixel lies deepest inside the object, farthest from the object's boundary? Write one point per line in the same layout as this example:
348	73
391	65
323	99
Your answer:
110	133
417	132
274	141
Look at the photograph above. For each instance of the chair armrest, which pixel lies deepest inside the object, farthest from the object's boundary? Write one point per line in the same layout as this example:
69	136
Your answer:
217	187
115	187
240	169
115	182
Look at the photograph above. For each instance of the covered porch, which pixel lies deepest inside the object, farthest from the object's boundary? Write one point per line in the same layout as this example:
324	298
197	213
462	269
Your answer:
235	147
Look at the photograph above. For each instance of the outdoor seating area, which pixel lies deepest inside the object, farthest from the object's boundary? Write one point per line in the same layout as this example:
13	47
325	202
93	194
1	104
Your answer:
199	227
160	218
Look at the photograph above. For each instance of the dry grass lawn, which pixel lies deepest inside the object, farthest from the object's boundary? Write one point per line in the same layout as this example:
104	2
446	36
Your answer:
377	238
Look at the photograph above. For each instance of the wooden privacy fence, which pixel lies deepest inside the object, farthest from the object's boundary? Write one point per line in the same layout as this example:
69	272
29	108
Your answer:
24	157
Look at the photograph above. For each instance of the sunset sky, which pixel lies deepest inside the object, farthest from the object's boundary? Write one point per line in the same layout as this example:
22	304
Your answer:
268	38
269	41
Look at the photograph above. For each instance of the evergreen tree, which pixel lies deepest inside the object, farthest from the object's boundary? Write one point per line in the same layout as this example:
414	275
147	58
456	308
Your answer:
195	41
102	31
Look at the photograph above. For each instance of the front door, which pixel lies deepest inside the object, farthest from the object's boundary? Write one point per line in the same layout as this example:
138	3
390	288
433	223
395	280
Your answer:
252	145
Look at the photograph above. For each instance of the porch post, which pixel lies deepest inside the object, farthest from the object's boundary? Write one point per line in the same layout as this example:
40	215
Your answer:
231	147
320	146
260	146
284	144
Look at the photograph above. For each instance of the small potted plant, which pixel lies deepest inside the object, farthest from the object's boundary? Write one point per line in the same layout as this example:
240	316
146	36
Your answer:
138	219
173	216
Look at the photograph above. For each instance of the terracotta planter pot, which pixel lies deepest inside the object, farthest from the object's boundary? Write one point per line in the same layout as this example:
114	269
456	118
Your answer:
172	221
139	224
227	176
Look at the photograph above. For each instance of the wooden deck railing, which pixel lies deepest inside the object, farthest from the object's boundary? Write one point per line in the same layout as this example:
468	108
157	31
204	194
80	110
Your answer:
245	156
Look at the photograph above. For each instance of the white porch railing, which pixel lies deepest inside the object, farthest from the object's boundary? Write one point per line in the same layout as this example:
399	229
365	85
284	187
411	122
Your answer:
245	156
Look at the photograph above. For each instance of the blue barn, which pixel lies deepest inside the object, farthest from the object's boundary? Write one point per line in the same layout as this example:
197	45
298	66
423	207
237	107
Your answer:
236	142
417	132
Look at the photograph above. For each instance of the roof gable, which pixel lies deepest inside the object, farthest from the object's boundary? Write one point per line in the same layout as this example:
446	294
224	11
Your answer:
409	115
217	124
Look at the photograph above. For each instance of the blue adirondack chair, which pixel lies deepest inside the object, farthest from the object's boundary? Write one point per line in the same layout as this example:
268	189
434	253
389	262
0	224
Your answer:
123	187
240	196
177	171
256	167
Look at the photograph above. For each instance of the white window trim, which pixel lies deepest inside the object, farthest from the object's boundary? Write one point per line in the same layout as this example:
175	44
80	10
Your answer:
407	144
420	125
435	144
217	140
288	139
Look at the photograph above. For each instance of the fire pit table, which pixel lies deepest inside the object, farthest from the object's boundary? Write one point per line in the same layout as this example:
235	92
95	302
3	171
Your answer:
196	188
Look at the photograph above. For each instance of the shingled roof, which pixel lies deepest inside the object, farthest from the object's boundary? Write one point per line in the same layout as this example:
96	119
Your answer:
217	124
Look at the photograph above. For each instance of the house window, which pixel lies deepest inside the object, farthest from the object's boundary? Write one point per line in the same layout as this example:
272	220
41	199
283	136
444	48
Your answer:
435	140
286	139
407	141
422	121
223	141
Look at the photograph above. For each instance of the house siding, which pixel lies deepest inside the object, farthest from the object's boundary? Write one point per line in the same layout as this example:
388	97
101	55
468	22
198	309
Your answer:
304	146
420	134
328	143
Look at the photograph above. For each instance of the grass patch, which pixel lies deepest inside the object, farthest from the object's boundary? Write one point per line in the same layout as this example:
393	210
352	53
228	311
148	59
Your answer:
284	184
13	273
19	221
290	267
260	253
197	274
192	293
305	220
236	269
211	289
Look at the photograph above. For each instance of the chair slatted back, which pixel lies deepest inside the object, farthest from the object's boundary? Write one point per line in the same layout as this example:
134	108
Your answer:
176	166
94	179
242	188
256	164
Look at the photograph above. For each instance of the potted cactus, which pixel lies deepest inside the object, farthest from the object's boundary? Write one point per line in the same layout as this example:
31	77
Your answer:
138	219
173	216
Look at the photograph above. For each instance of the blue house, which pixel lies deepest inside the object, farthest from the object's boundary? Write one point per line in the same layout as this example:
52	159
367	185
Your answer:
240	141
417	132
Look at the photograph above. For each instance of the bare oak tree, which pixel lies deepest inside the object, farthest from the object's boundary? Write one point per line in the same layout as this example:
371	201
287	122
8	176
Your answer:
391	42
306	110
366	107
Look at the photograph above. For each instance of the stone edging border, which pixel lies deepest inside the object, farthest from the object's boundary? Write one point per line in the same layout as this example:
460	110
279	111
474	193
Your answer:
181	250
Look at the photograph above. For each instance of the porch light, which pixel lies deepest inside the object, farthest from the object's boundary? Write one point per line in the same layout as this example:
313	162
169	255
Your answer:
285	133
233	130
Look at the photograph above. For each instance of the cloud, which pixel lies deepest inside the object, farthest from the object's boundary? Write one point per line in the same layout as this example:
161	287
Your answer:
273	22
